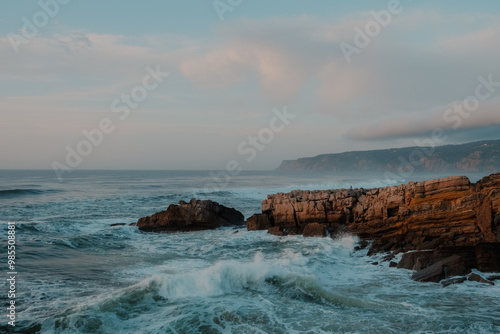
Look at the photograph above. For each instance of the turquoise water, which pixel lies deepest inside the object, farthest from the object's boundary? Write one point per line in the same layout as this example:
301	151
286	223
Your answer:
77	274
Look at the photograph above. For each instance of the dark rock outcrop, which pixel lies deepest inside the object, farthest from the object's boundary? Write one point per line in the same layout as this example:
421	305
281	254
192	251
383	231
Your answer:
193	216
453	280
436	218
477	278
451	266
258	222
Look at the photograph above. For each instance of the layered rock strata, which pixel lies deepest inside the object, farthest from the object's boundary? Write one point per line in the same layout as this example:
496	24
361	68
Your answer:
444	213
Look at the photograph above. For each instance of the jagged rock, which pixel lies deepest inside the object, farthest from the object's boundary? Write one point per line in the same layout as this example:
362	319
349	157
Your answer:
454	280
477	278
258	222
314	230
417	260
193	216
429	221
449	211
451	266
276	230
447	216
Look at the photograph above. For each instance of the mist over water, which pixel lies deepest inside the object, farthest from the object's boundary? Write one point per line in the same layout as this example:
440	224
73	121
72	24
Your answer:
77	274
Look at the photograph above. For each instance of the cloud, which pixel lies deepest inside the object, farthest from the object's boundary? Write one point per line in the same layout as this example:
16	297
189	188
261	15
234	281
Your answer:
282	54
223	86
400	71
423	124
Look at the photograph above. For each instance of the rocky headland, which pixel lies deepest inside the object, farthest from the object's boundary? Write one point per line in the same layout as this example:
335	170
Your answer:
444	227
482	157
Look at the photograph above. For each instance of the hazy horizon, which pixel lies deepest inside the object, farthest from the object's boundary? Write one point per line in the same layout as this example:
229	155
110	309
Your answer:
217	85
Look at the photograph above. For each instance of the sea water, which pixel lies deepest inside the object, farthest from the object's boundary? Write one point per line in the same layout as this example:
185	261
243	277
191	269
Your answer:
78	274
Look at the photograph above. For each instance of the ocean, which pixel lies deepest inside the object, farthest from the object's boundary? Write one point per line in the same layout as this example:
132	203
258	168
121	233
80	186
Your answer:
74	273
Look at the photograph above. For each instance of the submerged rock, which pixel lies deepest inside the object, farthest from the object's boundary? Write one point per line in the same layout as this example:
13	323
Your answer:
454	280
193	216
477	278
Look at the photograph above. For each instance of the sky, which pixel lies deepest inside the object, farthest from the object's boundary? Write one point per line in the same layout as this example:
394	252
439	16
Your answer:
226	84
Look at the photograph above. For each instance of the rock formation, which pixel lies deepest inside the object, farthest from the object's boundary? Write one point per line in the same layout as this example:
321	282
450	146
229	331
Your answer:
193	216
439	218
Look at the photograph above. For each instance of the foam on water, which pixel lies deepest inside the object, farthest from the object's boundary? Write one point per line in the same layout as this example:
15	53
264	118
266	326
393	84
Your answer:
79	275
287	276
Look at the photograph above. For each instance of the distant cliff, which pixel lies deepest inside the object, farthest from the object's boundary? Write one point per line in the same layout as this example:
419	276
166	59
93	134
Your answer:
483	156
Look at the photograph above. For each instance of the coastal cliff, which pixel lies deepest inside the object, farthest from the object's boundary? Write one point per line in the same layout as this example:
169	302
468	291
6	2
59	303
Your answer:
483	156
450	216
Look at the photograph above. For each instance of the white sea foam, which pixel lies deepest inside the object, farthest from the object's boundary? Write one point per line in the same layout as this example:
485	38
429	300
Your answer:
82	276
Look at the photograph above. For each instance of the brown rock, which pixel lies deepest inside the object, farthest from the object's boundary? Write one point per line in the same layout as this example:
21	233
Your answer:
476	278
451	266
417	260
314	230
436	218
415	216
193	216
276	230
258	222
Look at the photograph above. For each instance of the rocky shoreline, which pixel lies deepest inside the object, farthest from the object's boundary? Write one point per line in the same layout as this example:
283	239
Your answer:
448	226
443	228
